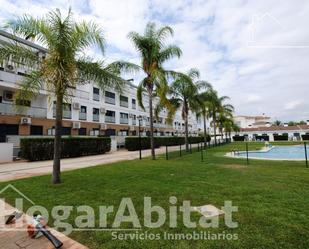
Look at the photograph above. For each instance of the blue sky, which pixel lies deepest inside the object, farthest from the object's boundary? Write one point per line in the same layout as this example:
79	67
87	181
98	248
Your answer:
256	52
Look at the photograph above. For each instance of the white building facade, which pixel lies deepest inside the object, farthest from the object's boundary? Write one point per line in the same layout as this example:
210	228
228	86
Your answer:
88	109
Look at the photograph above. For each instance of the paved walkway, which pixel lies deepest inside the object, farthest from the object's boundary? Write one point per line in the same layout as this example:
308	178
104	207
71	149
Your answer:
14	236
22	169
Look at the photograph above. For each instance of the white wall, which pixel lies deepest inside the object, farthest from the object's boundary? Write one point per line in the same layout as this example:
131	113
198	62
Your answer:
6	152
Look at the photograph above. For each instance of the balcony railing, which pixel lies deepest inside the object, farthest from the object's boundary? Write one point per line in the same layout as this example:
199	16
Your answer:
78	93
124	120
65	113
124	103
82	116
133	106
96	97
10	109
133	121
96	117
109	119
109	100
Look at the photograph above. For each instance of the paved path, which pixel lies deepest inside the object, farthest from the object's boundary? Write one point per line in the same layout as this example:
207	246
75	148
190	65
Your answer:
14	236
18	170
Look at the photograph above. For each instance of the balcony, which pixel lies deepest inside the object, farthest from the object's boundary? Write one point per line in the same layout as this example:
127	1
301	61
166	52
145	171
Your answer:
133	106
11	77
73	92
10	109
124	103
109	100
109	119
133	121
65	113
96	97
124	120
82	116
96	117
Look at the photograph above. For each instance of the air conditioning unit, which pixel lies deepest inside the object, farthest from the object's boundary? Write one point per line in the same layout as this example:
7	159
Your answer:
10	68
76	106
25	121
76	125
8	95
103	126
102	110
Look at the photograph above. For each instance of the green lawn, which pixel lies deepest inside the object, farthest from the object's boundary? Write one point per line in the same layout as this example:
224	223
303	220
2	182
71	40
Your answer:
272	197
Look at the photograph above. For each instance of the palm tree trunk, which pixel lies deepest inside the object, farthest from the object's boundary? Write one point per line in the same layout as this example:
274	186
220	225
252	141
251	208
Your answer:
152	145
215	127
205	130
186	127
57	140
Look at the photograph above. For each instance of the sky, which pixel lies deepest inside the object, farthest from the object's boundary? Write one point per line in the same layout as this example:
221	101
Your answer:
255	52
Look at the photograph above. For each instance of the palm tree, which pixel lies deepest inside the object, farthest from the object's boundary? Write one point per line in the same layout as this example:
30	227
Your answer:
154	52
204	99
64	65
184	91
217	107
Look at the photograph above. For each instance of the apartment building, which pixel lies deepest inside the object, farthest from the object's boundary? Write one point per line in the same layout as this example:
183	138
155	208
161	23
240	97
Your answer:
88	110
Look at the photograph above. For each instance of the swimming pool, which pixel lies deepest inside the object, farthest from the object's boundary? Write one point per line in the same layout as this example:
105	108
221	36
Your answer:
296	152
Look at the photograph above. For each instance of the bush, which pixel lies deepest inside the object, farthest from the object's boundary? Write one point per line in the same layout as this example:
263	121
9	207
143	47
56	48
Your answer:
262	137
305	137
239	138
281	137
37	149
132	143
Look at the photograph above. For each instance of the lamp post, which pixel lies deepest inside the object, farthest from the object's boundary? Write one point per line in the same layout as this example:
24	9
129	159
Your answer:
139	136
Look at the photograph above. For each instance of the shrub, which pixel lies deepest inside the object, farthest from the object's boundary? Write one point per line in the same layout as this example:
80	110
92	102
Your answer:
239	138
132	143
281	137
305	137
37	149
262	137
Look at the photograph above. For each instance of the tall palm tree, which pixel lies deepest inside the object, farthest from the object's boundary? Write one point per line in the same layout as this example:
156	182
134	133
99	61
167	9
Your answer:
204	99
154	52
217	107
183	94
64	65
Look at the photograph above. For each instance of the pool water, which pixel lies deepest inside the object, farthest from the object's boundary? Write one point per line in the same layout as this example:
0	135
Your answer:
279	152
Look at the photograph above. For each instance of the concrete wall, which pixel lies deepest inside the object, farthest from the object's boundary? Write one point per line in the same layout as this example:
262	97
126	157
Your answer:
6	152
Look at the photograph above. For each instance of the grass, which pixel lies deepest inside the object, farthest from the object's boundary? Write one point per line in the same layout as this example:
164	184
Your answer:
272	197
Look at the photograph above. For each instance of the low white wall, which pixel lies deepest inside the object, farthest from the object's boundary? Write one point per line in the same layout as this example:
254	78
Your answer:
6	152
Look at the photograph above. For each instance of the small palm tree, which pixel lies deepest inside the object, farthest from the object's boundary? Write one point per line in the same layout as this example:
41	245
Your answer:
154	53
184	92
64	65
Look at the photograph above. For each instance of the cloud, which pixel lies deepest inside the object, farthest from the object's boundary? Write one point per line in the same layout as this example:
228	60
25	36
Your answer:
215	37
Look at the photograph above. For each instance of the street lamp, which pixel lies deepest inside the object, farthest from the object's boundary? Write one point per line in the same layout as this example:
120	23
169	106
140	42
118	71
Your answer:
140	118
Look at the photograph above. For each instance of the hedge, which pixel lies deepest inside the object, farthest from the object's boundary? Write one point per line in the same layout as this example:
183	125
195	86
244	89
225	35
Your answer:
37	149
281	138
262	137
239	138
132	143
305	137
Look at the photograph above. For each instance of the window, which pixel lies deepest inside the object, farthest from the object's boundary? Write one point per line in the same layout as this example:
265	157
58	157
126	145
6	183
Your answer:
110	98
96	94
124	118
83	113
96	114
65	131
82	132
36	130
110	116
124	101
133	103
